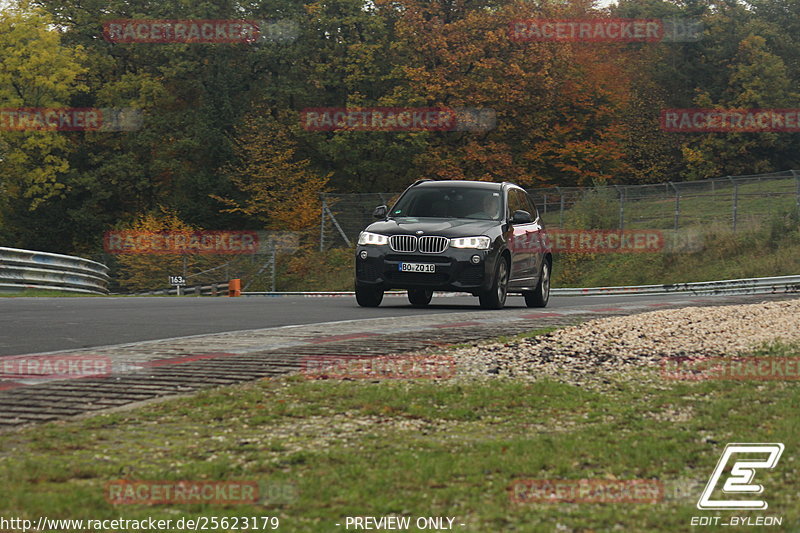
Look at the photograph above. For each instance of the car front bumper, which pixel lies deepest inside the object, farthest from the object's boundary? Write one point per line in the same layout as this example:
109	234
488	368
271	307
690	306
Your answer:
455	270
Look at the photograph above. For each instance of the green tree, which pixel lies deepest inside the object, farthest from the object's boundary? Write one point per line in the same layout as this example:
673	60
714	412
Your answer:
757	80
36	70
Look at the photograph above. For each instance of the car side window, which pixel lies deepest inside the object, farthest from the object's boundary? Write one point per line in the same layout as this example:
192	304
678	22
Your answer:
516	202
531	207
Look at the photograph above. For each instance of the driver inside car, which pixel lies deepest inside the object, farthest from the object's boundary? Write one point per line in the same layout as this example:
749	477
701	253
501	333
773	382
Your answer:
490	208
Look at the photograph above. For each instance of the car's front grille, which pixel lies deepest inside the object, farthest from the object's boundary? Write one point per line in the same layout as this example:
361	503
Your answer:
433	245
426	244
403	243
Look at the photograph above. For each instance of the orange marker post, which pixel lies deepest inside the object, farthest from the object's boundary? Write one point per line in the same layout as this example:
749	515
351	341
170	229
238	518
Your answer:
235	287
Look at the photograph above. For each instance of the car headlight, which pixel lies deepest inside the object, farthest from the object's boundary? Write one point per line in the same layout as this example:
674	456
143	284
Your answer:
372	238
478	243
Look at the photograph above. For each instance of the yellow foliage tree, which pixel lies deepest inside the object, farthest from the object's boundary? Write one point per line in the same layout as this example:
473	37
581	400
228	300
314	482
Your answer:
278	190
151	271
36	70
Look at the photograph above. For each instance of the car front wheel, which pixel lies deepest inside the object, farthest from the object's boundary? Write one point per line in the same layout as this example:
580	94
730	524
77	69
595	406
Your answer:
367	296
495	297
420	297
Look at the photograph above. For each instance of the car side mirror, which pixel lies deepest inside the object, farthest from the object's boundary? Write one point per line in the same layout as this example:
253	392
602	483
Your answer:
380	211
521	217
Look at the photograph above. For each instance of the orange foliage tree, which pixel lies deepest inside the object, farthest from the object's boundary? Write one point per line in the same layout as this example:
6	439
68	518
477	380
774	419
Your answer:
557	104
277	189
140	271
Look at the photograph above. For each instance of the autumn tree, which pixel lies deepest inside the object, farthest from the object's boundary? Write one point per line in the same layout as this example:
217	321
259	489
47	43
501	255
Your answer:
36	70
555	103
148	271
276	188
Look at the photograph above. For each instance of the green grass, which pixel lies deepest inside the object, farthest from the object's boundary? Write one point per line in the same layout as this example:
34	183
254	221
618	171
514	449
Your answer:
698	207
42	293
766	243
770	250
416	448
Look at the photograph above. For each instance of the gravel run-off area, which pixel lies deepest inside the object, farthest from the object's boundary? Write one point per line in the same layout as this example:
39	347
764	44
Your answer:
614	348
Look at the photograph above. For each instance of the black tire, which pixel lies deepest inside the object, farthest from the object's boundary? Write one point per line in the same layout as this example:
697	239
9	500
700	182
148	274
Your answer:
540	296
367	296
420	297
495	297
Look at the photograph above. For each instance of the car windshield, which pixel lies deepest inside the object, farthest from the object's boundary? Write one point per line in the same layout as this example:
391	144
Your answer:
449	202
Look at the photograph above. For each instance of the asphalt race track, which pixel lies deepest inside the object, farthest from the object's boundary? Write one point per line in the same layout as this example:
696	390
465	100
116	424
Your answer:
245	339
33	325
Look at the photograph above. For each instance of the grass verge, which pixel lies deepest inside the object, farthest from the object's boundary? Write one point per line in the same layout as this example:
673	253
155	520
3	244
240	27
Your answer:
771	249
416	448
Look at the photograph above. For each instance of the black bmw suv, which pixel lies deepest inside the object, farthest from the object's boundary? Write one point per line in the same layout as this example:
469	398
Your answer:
464	236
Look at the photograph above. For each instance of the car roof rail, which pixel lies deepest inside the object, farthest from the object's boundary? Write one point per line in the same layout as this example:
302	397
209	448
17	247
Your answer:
423	180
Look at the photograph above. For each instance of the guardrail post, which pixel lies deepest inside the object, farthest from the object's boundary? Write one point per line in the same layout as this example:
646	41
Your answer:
561	210
735	202
621	193
677	206
322	224
274	257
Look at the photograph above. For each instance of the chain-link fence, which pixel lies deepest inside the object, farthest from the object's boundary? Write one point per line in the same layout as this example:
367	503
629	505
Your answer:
257	270
733	201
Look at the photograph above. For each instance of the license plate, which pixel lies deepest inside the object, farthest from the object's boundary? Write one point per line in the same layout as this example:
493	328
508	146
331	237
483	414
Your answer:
417	267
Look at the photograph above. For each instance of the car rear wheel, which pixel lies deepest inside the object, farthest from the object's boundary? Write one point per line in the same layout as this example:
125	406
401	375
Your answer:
420	297
495	297
540	296
367	296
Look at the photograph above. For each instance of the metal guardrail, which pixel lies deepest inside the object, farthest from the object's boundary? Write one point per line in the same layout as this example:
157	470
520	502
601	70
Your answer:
773	285
321	294
215	289
28	269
